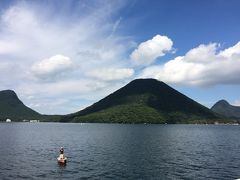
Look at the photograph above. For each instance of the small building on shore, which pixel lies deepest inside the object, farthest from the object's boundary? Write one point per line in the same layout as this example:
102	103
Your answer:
8	120
34	121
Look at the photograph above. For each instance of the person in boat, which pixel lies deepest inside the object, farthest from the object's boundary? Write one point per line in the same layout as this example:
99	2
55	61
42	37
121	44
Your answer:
61	156
62	160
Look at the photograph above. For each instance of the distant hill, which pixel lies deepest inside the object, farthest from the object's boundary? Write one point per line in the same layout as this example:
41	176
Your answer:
145	101
224	108
13	108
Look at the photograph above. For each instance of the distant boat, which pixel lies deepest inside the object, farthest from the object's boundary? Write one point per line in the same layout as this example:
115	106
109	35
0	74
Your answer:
8	120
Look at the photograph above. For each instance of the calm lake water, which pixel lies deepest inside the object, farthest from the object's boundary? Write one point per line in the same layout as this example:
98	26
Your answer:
116	151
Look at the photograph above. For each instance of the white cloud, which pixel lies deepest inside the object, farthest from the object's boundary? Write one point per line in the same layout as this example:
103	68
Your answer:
62	88
111	74
201	66
17	18
6	47
91	56
232	52
31	35
147	52
51	67
236	103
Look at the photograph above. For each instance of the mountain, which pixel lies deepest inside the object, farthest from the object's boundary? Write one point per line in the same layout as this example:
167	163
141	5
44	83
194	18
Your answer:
224	108
13	108
145	101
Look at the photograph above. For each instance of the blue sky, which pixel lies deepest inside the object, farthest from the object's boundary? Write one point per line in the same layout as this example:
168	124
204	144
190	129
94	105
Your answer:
61	56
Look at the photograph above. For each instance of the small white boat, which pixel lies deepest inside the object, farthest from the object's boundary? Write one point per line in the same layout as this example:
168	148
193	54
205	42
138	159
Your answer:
62	161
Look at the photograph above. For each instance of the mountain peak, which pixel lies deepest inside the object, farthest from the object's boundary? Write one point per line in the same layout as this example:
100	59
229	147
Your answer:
12	107
223	102
140	86
143	100
8	91
148	81
224	108
8	94
142	80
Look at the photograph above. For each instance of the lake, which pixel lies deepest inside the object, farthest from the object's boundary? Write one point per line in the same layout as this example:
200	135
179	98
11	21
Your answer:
119	151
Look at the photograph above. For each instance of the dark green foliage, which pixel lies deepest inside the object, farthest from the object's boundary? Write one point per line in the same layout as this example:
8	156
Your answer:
224	108
144	101
130	113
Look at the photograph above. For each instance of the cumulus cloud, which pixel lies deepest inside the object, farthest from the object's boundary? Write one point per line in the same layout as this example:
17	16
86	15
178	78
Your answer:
111	74
66	58
51	67
204	65
45	53
147	52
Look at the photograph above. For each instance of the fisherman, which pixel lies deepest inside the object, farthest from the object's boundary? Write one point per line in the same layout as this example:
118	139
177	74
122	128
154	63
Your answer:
61	156
62	160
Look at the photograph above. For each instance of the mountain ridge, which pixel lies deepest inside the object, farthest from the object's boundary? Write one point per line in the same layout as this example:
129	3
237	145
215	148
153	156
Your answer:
11	107
140	101
144	101
224	108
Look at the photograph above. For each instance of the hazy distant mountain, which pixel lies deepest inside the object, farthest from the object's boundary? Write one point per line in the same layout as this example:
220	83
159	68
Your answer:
11	107
144	101
224	108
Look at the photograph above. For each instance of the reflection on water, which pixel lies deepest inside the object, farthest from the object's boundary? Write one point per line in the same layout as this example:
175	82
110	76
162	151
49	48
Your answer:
116	151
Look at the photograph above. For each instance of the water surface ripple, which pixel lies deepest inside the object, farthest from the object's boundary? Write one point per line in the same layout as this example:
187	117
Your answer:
119	151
